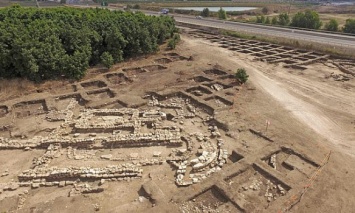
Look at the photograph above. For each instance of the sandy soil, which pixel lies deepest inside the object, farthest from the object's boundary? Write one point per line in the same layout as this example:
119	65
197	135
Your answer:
308	111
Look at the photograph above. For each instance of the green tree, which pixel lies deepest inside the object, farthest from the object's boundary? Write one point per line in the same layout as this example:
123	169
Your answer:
332	25
274	20
241	75
260	19
205	12
222	14
349	26
284	19
107	59
267	20
47	43
309	19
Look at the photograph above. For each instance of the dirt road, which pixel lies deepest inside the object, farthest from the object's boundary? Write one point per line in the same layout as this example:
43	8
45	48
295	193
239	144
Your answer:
326	106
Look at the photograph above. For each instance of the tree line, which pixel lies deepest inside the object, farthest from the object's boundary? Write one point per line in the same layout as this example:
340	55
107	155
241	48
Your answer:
308	19
41	44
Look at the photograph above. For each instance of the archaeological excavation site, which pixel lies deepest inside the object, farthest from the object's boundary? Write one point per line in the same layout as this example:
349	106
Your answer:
176	131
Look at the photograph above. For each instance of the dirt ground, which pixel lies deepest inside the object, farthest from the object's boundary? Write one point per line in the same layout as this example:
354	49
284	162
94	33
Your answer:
302	118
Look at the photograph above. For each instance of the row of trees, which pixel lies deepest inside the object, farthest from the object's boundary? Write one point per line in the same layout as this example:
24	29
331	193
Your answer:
308	19
47	43
221	14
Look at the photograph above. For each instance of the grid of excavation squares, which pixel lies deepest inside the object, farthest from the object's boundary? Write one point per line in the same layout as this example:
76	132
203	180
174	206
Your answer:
271	53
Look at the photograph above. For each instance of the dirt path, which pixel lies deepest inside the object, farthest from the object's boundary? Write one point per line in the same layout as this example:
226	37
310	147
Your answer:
322	105
304	111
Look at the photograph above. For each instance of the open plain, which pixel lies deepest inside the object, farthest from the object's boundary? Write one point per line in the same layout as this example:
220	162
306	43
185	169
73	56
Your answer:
176	132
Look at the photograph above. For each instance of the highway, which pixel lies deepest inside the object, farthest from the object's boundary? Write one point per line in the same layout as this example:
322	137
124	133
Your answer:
335	40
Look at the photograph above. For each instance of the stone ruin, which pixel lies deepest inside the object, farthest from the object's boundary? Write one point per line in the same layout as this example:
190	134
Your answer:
78	137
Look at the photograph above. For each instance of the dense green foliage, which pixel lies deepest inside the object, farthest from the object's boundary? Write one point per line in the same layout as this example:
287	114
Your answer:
222	14
260	19
284	19
205	12
332	25
309	19
47	43
349	26
173	41
241	75
107	59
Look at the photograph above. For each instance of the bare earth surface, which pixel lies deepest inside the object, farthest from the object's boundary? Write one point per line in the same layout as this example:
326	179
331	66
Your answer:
217	153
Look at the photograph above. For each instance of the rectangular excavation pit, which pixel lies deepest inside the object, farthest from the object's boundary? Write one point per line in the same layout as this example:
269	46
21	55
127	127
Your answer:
112	105
93	84
286	48
270	52
288	61
212	198
3	111
266	48
224	43
163	60
300	58
69	88
224	46
201	79
214	72
252	42
309	56
271	58
29	108
290	163
274	46
219	102
235	157
206	108
63	101
245	51
258	54
316	54
257	186
134	70
152	68
302	51
101	94
255	49
117	78
217	86
234	49
175	56
199	91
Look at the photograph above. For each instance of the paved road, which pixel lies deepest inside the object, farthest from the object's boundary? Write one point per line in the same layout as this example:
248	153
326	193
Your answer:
335	40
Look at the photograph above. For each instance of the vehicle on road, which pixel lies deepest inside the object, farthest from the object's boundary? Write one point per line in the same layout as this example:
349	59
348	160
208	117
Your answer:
164	11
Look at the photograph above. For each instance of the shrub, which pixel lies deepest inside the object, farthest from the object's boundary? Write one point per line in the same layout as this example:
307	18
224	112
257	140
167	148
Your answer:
173	41
241	75
332	25
222	14
274	20
107	59
284	19
349	26
309	19
205	12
